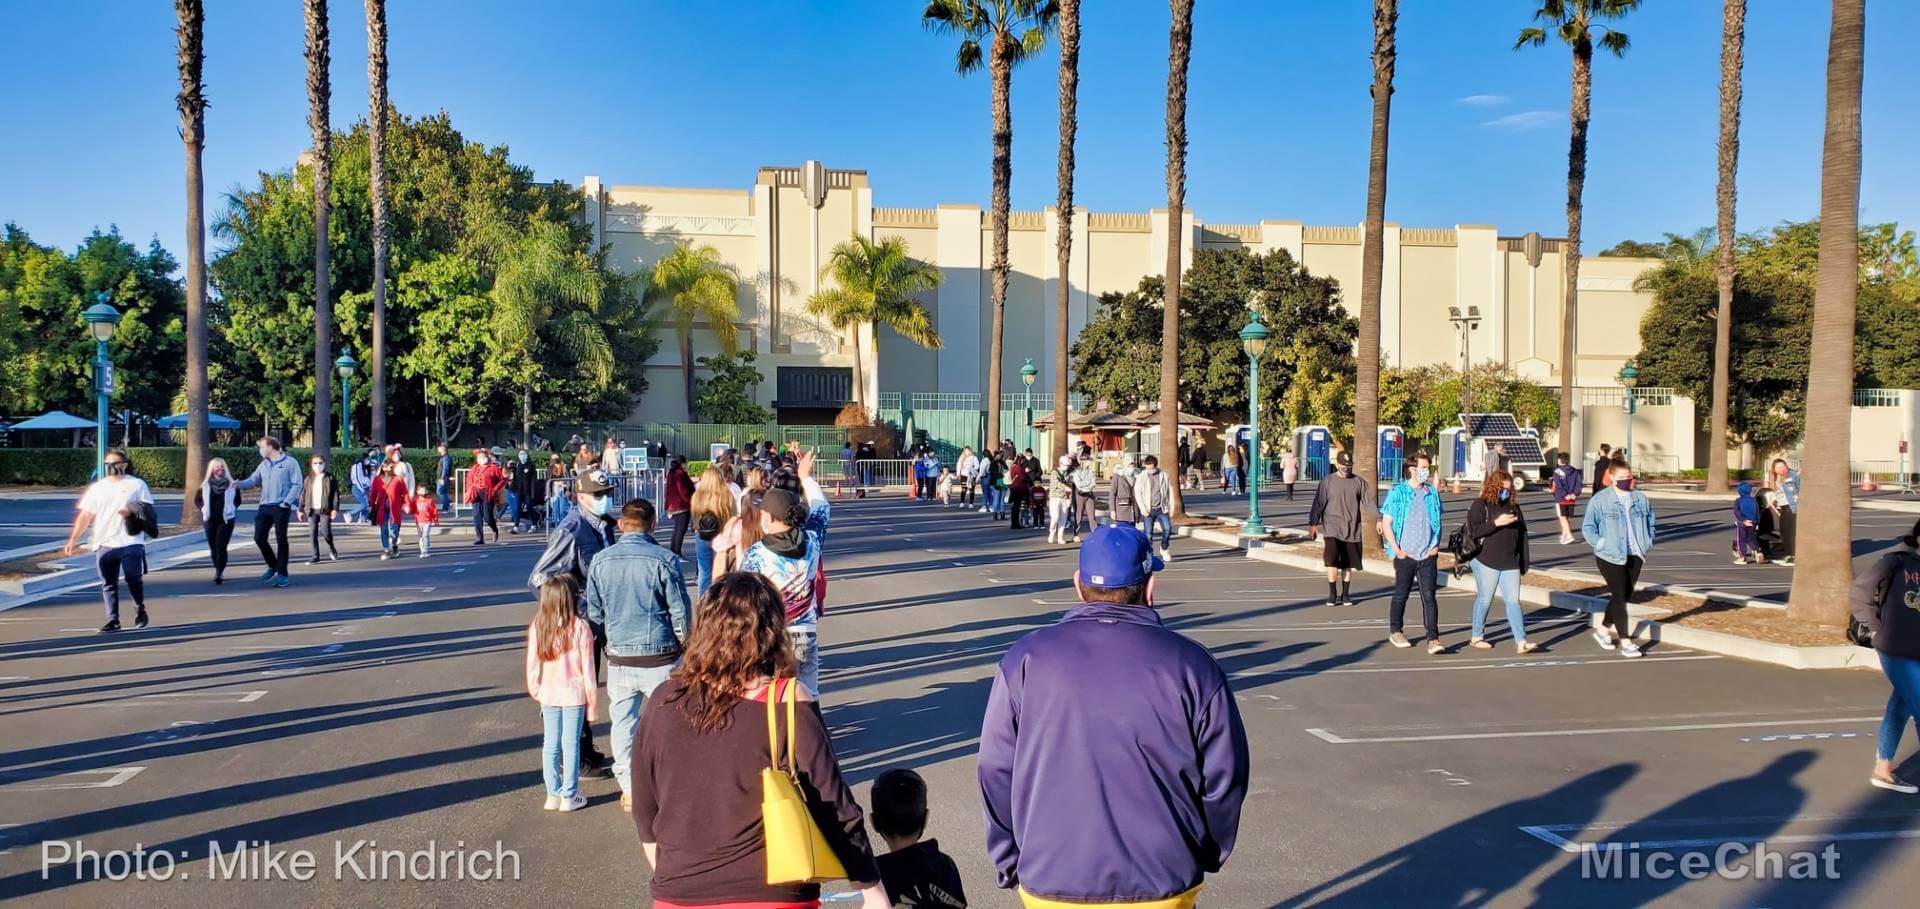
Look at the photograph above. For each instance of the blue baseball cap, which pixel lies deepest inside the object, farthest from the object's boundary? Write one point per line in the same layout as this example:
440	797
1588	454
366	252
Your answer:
1117	555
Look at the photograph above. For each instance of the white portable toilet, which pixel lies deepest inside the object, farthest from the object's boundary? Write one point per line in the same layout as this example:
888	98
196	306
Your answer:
1453	454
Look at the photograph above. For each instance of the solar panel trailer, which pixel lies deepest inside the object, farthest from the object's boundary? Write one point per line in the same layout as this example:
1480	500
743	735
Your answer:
1525	460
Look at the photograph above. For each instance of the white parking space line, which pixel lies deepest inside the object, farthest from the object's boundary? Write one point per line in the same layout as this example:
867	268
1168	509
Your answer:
178	697
1336	739
16	678
1551	834
1460	665
113	776
1355	625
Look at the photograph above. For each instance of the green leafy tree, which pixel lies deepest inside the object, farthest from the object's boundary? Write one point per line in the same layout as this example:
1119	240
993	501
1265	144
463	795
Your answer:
543	286
875	285
696	285
46	352
1423	400
726	394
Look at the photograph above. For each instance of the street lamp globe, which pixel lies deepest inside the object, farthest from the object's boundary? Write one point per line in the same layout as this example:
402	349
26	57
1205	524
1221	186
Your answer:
1029	372
102	319
345	365
1629	375
1253	338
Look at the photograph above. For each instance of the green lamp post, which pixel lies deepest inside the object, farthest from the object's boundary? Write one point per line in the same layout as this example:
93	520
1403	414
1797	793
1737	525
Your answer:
1629	379
1027	374
102	320
1253	340
344	366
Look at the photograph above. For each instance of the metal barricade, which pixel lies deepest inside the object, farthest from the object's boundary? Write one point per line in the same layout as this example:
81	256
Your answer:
640	484
867	475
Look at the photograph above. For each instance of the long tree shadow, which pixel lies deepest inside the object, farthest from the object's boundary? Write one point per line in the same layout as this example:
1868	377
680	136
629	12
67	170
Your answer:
1860	856
1761	803
1470	863
939	724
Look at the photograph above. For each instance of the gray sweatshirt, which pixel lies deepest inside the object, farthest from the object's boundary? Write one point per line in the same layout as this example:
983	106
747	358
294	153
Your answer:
278	479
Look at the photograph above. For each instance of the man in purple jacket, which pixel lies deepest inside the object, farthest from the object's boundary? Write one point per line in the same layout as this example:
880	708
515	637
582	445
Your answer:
1112	758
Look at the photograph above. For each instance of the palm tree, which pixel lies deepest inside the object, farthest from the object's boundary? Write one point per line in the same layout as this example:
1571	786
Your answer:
377	189
875	286
1578	25
697	287
1063	247
1179	56
1013	31
1732	43
1826	506
193	118
541	284
318	94
1366	396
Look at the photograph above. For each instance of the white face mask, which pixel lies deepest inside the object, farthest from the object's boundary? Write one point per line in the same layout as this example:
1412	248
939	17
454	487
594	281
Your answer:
523	456
1419	476
480	459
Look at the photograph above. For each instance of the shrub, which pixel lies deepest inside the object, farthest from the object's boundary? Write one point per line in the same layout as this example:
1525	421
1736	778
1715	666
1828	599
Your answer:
165	468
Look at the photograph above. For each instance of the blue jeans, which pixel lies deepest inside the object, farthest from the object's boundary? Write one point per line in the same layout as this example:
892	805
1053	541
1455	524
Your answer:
389	535
560	749
513	507
806	651
1485	579
1161	520
439	489
363	494
557	509
703	562
627	688
1903	706
129	560
996	500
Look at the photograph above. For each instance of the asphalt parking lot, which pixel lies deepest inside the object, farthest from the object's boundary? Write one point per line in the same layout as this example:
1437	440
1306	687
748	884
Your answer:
385	702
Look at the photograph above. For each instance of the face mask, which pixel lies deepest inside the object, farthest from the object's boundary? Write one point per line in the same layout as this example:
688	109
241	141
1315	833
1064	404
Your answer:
1419	476
116	468
598	505
1625	485
319	467
523	457
480	460
1506	494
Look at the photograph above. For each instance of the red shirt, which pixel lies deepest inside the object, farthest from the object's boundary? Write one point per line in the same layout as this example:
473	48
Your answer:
484	482
426	510
389	499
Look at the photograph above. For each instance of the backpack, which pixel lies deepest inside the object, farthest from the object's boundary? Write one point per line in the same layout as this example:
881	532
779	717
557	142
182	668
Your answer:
1123	494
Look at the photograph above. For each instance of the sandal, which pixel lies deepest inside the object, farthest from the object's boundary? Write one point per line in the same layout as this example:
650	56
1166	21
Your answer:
1525	647
1480	644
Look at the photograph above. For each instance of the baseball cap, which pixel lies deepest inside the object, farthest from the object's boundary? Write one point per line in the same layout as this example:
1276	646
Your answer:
594	482
783	505
1343	459
1117	555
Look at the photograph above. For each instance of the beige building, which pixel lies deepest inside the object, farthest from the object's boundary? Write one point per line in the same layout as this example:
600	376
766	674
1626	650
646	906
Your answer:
776	234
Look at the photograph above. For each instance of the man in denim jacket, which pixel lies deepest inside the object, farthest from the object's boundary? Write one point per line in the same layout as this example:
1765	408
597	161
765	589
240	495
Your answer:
1619	527
637	596
1410	527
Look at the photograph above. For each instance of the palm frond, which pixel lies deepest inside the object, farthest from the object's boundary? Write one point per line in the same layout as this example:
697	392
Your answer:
1530	37
1032	42
587	341
967	61
1615	42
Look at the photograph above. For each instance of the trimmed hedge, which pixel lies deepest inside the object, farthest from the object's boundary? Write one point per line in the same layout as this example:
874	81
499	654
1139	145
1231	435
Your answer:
165	468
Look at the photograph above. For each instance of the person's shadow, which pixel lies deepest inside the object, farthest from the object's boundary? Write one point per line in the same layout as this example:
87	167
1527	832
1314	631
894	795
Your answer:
1473	862
1762	801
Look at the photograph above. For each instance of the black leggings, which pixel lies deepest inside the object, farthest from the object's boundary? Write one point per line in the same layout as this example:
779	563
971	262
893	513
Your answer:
680	520
966	491
1621	579
1785	526
484	517
320	527
271	520
219	534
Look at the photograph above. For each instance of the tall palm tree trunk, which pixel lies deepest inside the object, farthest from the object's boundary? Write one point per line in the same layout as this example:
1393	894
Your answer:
860	367
1825	556
1001	67
1366	398
1732	42
377	188
686	368
193	110
1069	25
318	94
1179	55
1579	114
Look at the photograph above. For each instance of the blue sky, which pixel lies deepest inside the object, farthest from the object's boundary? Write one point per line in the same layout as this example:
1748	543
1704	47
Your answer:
699	94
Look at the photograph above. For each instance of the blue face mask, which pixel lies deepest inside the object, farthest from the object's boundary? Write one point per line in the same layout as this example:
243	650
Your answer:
1506	494
598	506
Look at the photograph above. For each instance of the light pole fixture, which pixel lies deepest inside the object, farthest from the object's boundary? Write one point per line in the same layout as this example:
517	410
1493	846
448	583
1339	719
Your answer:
1465	323
102	321
344	366
1629	380
1028	373
1253	340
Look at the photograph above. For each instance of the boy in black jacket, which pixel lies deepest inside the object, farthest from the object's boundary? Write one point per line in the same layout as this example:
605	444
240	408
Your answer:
915	872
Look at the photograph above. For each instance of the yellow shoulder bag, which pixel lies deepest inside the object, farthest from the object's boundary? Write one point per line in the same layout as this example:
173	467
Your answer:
796	851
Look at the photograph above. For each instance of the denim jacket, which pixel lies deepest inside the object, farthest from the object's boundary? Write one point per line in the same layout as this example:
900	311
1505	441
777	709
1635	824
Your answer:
636	592
1605	525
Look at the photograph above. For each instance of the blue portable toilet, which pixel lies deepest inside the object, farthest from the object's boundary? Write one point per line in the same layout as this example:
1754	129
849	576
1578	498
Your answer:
1393	452
1314	445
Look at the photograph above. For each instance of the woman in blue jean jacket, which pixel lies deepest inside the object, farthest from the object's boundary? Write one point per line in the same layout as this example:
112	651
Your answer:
1619	527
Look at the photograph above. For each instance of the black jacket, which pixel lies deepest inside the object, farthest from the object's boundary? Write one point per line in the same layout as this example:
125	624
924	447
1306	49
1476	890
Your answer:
332	496
1886	599
1501	548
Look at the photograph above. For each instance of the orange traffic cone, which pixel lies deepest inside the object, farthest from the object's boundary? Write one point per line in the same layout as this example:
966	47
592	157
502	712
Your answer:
1866	482
1456	484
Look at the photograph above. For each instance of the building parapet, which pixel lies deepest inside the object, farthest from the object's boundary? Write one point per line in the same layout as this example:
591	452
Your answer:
1232	233
1345	235
1120	222
1026	220
1428	236
905	217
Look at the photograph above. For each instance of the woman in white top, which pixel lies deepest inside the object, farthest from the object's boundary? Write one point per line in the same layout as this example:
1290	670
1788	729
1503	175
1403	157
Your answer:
216	499
108	507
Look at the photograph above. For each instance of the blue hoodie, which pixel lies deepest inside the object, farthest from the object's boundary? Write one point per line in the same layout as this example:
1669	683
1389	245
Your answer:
1112	760
1744	506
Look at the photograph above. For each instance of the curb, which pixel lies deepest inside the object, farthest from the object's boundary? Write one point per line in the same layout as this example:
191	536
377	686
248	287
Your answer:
80	575
1645	626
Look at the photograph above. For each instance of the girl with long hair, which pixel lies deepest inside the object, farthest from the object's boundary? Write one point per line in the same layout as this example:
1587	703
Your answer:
560	676
739	535
702	744
216	499
712	508
1495	522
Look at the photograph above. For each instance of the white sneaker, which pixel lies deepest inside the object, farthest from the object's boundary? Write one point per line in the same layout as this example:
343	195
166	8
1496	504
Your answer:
1166	555
1601	637
1629	649
553	802
573	804
1566	539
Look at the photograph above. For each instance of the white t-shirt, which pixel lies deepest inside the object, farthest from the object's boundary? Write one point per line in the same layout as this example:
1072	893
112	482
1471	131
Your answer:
103	500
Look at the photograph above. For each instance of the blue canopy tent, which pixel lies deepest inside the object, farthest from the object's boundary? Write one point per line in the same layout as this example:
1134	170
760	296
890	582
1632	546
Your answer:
52	419
214	421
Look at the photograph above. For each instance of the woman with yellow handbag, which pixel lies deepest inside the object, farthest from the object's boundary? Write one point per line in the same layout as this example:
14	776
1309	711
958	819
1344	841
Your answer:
737	796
